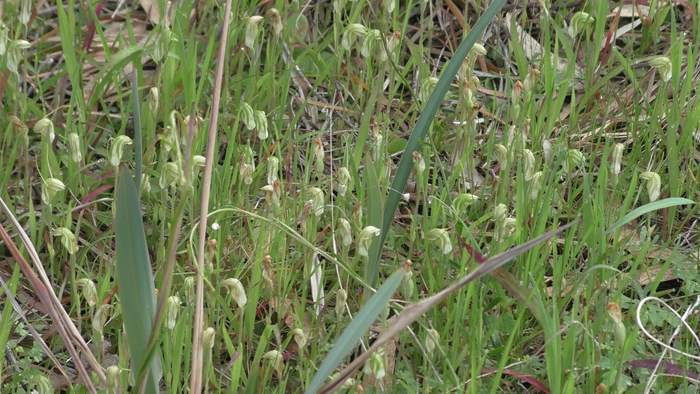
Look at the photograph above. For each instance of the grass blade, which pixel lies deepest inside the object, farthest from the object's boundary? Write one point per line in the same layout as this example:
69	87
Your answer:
355	330
135	279
138	140
374	218
426	117
412	312
651	207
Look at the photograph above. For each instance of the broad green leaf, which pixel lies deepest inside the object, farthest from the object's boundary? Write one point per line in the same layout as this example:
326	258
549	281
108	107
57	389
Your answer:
650	207
134	277
359	325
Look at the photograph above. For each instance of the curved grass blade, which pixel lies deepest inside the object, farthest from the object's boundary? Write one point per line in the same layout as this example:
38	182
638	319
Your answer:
355	330
134	276
412	312
426	118
651	207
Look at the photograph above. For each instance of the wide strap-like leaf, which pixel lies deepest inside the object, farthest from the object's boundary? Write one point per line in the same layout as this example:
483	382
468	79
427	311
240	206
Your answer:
134	276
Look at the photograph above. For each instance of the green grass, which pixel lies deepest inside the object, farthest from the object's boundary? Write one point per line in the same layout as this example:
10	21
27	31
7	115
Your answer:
540	140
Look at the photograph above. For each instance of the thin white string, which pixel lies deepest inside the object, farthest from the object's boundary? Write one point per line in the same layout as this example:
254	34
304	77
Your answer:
667	346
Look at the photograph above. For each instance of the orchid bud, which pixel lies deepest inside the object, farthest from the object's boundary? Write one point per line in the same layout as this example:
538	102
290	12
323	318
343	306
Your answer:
442	237
3	38
145	184
375	365
208	338
653	184
462	201
173	308
426	89
261	125
619	326
74	148
391	44
99	319
153	100
246	167
418	163
117	151
528	163
161	46
317	200
575	159
499	213
113	373
251	30
189	288
45	127
199	161
507	228
535	184
272	168
581	21
247	115
616	162
357	214
531	80
88	290
344	181
319	156
345	232
273	192
50	188
341	297
547	150
235	288
42	384
408	285
351	33
663	66
389	5
25	11
171	175
275	21
276	360
68	239
371	38
432	339
478	50
501	153
299	337
14	55
365	238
